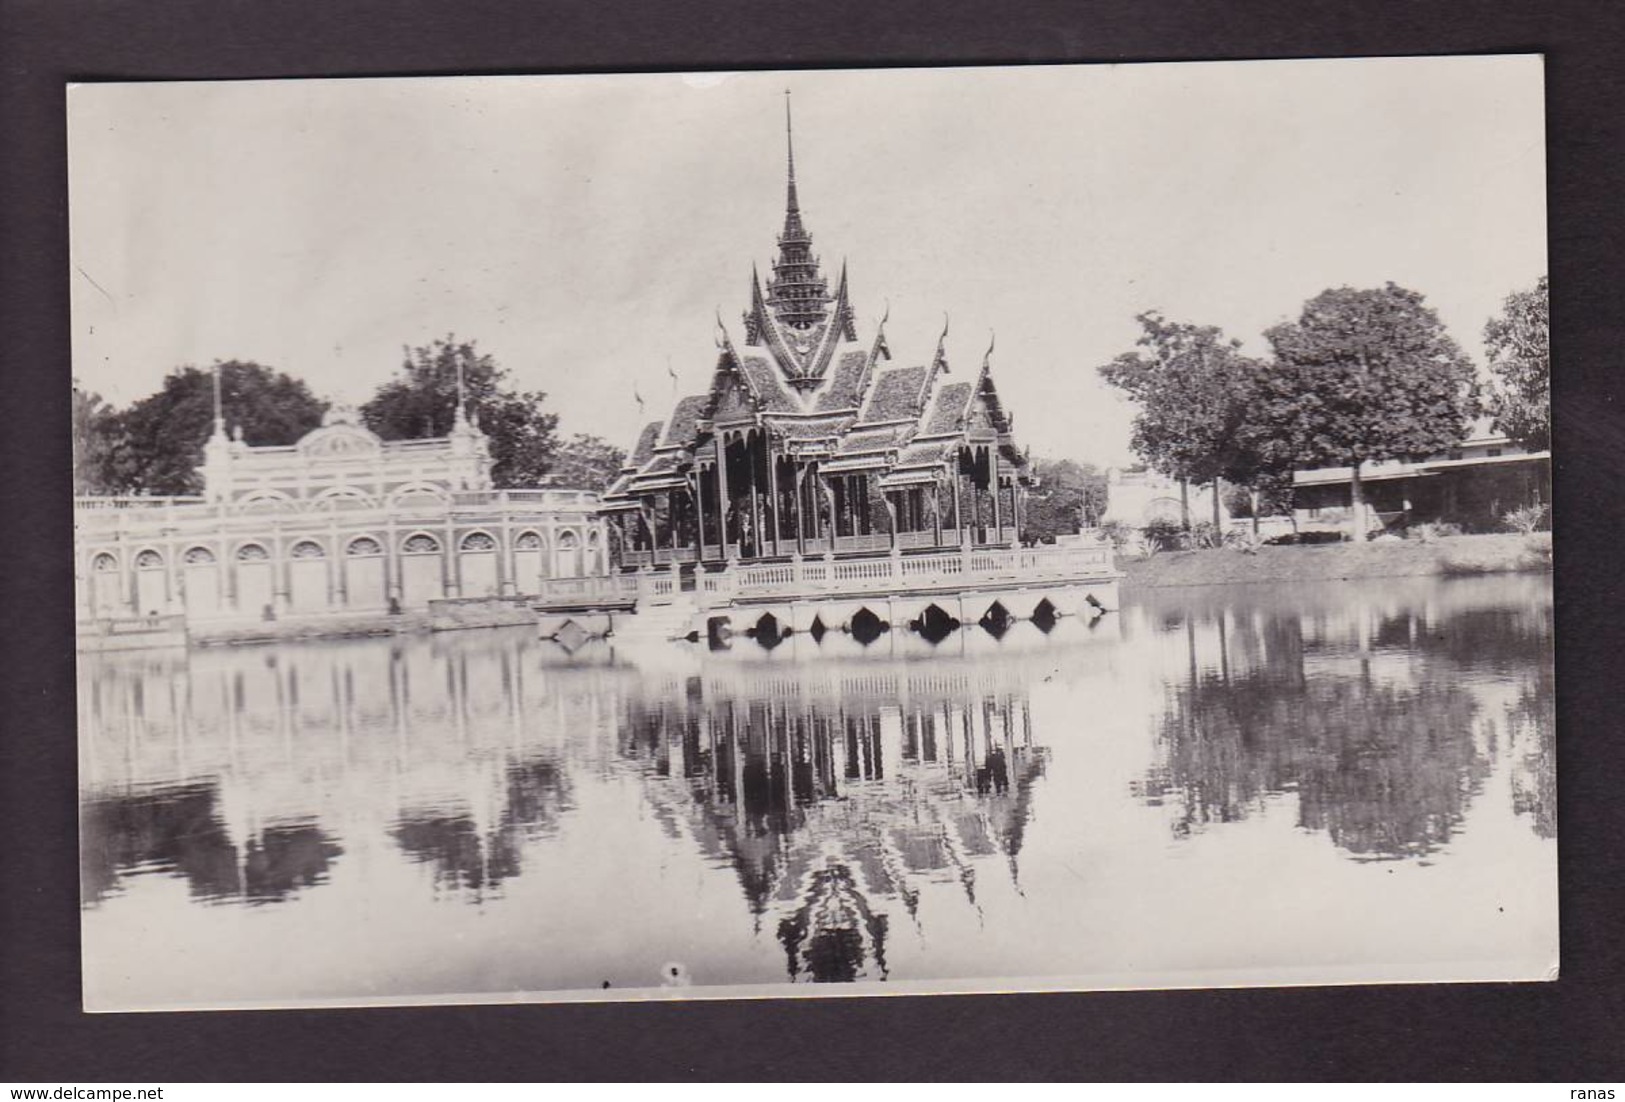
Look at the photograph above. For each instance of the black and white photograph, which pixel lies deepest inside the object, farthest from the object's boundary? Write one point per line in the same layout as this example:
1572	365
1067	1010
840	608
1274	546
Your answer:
844	532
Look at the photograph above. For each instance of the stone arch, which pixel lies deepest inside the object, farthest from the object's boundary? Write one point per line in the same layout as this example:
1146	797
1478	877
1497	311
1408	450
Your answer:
151	582
402	495
567	557
201	582
366	583
529	561
265	501
477	564
595	561
255	580
420	543
996	620
936	623
106	595
344	497
308	579
422	569
866	627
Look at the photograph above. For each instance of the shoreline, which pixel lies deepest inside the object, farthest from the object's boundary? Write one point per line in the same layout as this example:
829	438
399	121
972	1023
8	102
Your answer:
1453	556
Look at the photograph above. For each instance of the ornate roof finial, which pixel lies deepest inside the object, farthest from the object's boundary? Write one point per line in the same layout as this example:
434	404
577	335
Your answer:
798	293
991	337
461	415
219	410
790	149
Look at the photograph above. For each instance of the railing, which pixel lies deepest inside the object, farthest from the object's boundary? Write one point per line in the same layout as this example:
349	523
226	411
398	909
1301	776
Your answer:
598	589
548	499
104	504
134	625
103	511
912	572
878	541
800	577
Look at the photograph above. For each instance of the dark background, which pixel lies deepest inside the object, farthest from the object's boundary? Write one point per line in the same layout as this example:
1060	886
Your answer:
1572	1031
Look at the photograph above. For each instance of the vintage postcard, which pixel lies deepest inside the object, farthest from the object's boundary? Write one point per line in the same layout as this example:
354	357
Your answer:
844	532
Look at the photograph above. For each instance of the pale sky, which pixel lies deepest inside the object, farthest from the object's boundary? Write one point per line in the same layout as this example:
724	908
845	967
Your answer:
583	229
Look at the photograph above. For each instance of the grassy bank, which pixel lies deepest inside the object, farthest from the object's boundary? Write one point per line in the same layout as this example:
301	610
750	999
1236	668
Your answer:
1457	555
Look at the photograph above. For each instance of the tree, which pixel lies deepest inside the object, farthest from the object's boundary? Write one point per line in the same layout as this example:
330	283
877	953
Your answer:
421	401
96	439
1363	375
159	440
1195	391
1519	345
1070	495
587	463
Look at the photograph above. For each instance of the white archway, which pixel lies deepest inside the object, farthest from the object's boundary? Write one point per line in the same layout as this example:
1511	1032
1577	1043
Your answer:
422	572
256	588
307	577
365	580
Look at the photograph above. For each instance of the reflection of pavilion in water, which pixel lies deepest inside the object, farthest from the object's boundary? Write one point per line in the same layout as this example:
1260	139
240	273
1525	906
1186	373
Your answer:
1365	710
252	773
836	794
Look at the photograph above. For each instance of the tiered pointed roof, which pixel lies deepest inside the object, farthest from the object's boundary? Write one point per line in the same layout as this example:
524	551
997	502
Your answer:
802	374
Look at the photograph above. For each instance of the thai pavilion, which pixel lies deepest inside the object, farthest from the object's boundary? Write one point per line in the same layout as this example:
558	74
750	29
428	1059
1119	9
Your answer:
810	441
341	522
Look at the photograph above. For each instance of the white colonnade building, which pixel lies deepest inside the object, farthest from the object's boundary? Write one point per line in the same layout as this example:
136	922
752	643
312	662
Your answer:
340	522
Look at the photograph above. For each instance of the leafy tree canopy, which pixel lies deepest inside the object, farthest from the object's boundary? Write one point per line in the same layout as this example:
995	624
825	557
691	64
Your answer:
421	401
1195	391
1519	343
1069	495
1365	374
156	445
587	463
95	441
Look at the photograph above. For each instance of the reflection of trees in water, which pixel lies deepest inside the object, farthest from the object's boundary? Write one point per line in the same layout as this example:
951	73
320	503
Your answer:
830	806
1531	723
180	829
1386	770
467	856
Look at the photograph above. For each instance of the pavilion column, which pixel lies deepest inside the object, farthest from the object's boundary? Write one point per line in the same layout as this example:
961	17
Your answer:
936	511
771	464
698	491
753	469
799	481
959	521
722	497
993	481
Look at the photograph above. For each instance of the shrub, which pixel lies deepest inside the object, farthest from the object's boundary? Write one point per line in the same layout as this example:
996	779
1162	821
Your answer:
1118	534
1163	535
1431	530
1526	519
1203	536
1243	540
1298	539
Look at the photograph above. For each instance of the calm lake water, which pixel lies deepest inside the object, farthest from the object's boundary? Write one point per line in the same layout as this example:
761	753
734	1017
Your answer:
1222	785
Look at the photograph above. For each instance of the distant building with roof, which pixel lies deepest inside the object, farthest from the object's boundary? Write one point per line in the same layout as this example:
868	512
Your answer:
1473	484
